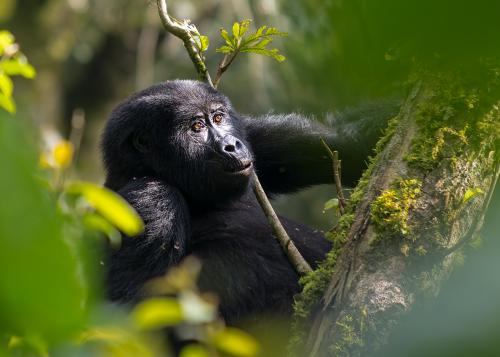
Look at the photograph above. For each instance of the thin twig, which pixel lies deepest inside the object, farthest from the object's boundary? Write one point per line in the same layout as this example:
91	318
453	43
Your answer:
184	31
334	155
293	254
223	66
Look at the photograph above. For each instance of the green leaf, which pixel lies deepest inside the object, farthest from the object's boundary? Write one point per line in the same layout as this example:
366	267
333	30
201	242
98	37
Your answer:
205	42
194	350
236	30
236	342
6	40
6	85
7	103
263	51
97	223
110	205
224	49
244	27
225	35
14	67
470	193
330	204
155	313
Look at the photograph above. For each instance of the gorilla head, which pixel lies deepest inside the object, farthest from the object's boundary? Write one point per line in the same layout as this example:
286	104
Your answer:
184	133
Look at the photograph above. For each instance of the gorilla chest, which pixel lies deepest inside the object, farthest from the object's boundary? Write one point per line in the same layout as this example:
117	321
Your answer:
242	262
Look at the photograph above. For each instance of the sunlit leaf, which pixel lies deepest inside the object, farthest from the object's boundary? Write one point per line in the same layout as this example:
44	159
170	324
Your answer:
274	53
110	205
63	154
470	193
205	42
330	204
157	312
15	67
6	85
224	49
97	223
194	350
6	39
236	30
236	342
227	38
7	103
117	342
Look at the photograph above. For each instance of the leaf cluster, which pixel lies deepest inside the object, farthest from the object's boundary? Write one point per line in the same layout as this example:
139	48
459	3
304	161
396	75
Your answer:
239	41
12	63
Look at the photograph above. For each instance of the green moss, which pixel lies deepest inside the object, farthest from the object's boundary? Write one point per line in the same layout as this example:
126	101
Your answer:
460	112
350	336
390	210
314	283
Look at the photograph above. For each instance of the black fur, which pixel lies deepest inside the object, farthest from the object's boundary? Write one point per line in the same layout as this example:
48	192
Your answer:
192	189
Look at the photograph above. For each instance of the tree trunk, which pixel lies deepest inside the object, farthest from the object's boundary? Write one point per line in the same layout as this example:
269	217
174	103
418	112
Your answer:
421	201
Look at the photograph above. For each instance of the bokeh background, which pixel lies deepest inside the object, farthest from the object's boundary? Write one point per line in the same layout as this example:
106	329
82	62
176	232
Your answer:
91	54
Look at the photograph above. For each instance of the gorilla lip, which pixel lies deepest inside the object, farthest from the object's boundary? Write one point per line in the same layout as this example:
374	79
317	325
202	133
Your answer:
244	169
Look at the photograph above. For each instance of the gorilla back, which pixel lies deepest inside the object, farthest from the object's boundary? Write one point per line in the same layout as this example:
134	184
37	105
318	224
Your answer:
182	157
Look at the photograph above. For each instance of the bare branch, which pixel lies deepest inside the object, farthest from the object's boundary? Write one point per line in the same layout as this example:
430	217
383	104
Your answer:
334	155
294	256
186	31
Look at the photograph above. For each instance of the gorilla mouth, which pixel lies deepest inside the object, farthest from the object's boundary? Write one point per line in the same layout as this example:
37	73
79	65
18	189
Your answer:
242	168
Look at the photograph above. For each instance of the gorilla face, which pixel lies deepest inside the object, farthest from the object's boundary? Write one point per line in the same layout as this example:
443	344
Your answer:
183	132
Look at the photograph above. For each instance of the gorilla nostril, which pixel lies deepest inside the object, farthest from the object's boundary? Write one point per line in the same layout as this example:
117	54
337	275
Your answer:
229	148
238	144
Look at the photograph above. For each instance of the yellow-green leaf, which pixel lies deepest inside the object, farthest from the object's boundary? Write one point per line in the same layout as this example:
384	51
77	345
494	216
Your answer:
14	67
7	103
97	223
110	205
470	193
236	30
6	85
332	203
225	35
6	39
156	313
204	43
194	350
236	342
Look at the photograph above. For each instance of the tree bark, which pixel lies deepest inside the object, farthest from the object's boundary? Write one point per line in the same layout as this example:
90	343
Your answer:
423	199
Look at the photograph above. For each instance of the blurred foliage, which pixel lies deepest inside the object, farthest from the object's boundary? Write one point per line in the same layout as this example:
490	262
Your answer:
50	248
12	63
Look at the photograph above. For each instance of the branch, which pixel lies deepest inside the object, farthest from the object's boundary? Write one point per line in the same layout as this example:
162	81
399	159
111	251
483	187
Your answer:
223	66
184	30
291	251
334	155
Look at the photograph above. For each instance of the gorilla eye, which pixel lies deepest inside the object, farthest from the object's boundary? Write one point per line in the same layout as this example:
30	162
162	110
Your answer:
217	118
197	126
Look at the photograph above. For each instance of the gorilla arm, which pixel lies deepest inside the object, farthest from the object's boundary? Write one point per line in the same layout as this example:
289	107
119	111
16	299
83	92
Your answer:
289	155
162	244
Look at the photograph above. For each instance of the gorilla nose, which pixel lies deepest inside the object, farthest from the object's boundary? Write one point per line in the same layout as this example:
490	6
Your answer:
233	147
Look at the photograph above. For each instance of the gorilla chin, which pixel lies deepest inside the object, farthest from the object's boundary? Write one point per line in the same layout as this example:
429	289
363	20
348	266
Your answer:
233	180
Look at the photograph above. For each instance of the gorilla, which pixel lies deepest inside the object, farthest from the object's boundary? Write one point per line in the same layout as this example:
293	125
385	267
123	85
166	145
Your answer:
181	155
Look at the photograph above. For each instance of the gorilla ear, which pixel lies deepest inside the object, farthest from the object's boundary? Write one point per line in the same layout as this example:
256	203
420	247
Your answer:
140	143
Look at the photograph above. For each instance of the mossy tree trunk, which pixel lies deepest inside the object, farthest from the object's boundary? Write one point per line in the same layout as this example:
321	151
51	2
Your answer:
422	199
